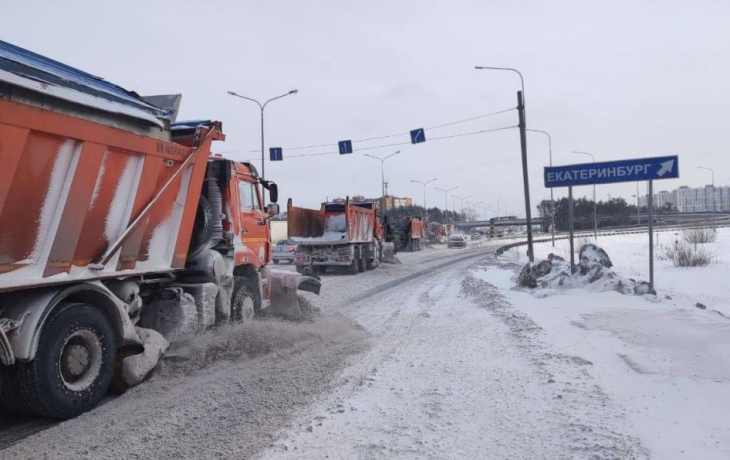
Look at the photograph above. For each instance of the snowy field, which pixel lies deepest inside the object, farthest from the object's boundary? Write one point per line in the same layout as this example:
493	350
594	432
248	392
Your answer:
664	361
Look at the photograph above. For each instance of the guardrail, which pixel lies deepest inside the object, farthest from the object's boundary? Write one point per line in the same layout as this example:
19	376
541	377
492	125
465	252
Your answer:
502	249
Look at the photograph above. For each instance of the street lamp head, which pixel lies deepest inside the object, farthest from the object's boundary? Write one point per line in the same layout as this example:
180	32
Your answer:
232	93
294	91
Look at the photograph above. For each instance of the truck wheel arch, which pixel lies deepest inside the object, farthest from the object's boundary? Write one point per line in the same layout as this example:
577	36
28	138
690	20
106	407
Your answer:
34	307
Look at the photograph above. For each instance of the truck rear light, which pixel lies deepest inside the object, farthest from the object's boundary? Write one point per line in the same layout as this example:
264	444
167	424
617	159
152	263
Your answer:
293	249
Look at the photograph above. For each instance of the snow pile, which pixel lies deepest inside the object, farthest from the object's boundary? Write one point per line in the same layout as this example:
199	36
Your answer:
593	273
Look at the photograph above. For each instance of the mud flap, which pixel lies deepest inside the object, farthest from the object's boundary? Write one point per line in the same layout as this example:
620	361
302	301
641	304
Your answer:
281	290
136	367
389	253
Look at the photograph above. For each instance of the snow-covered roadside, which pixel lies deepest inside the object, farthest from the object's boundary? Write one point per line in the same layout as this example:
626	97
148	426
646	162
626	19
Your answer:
456	372
629	254
664	361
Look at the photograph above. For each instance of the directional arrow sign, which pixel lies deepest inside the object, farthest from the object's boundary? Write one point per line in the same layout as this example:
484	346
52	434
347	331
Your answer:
418	136
639	169
276	154
345	147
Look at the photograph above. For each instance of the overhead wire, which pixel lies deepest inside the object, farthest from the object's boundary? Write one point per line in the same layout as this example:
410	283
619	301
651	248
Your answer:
396	144
388	136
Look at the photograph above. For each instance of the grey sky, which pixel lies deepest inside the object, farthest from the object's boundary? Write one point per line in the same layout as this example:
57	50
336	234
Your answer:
620	79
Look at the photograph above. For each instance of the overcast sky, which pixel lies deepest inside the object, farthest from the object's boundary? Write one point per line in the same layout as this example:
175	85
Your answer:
620	79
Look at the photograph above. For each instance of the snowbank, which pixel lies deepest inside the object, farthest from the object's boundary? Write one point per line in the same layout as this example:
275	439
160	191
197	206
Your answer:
592	273
679	286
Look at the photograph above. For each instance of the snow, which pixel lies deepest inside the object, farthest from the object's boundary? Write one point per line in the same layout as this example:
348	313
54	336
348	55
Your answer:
78	97
437	357
664	361
629	254
121	205
336	223
328	237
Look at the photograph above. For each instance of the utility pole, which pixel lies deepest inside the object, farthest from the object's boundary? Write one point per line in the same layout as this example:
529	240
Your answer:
446	204
424	190
262	107
552	200
525	177
382	173
523	144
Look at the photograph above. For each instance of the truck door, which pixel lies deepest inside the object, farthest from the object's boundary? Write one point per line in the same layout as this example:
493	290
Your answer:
254	227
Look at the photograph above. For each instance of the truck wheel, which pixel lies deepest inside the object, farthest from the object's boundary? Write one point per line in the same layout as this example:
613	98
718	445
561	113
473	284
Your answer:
202	229
363	260
276	262
73	367
245	300
354	267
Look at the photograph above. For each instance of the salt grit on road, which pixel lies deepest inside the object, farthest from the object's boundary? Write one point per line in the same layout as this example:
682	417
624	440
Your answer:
455	371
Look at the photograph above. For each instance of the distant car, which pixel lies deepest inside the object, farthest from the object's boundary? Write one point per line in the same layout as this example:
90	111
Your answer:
476	236
456	240
284	252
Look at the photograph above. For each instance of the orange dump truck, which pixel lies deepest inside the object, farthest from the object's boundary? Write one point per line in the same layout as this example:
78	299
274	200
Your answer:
406	233
339	234
118	231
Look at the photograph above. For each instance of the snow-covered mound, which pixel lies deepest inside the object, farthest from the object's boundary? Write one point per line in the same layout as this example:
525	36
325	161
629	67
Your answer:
593	273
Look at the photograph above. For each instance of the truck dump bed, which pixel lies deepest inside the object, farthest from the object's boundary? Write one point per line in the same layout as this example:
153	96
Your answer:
334	223
82	195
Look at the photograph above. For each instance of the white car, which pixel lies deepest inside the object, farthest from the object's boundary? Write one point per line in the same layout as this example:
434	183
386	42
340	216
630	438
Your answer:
456	240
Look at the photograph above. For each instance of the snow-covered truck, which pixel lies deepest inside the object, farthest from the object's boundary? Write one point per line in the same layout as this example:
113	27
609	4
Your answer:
339	234
406	233
119	230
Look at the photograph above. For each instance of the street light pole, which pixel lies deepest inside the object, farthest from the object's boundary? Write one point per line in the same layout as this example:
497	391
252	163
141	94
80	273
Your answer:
521	98
595	215
714	206
461	201
552	200
262	107
382	170
424	190
446	203
474	205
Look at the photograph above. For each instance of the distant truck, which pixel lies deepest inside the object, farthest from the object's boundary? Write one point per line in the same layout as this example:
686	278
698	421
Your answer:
339	234
406	234
118	229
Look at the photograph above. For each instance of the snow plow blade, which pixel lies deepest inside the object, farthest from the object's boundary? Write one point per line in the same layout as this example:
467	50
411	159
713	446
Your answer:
282	293
389	253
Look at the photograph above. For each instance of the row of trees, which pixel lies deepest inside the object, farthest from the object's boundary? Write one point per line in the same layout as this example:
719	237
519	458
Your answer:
613	212
431	215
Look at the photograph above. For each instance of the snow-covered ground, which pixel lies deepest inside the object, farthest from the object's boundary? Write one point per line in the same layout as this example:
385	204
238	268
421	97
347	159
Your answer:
662	359
439	357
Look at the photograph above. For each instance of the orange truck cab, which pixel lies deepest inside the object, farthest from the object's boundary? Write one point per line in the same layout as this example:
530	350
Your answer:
119	231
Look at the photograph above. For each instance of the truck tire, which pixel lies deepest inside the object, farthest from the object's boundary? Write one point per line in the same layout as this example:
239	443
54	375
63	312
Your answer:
73	367
363	260
245	300
202	229
354	267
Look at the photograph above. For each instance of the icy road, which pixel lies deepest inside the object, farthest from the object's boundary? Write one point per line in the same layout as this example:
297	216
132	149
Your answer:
431	358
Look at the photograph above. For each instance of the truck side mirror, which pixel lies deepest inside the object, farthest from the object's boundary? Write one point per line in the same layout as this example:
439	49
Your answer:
274	193
272	209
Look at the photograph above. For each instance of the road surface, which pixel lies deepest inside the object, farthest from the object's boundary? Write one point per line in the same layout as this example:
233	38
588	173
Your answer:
414	360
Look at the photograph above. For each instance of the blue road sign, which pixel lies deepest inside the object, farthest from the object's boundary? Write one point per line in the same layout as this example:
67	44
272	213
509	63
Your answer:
345	146
607	172
276	154
418	136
